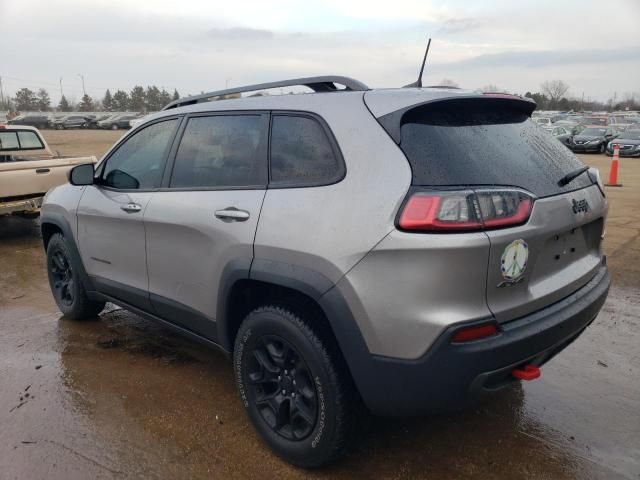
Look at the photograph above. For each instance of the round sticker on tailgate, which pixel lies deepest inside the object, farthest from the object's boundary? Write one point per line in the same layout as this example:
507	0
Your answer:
514	259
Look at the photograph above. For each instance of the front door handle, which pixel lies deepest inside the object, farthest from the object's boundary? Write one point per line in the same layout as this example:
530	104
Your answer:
131	207
232	214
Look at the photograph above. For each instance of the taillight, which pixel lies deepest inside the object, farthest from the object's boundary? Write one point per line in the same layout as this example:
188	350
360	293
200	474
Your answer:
466	210
476	332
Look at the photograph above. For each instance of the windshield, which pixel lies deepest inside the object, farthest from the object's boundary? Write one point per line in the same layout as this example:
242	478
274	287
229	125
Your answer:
634	135
593	131
596	120
477	143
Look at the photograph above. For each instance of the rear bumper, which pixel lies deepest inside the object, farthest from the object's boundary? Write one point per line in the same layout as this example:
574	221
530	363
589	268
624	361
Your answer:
450	376
30	205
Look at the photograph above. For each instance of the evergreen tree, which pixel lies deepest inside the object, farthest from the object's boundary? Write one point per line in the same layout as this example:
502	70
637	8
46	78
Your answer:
86	105
152	99
176	95
107	101
44	102
137	99
120	101
64	106
26	100
165	98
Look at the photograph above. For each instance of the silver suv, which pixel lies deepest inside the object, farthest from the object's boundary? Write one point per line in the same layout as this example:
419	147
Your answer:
400	250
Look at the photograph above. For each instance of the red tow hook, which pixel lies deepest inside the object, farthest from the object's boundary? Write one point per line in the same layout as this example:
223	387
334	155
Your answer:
528	372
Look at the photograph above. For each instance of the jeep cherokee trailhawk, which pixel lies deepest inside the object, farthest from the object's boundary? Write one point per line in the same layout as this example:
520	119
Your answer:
406	250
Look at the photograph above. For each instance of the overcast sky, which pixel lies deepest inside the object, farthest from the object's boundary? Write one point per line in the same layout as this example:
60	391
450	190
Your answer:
195	45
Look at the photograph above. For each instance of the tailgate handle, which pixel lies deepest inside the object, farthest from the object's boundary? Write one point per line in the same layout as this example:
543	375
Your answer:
42	170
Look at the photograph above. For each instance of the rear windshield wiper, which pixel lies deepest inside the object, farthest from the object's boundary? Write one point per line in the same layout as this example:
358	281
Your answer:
571	176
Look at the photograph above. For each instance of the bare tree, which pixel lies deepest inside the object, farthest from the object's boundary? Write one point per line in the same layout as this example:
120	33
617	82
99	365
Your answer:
491	89
554	89
447	82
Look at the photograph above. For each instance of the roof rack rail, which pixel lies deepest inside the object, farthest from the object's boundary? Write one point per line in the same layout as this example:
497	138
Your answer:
325	83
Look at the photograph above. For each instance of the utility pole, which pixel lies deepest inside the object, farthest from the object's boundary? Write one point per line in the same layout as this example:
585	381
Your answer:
582	103
84	92
61	93
1	93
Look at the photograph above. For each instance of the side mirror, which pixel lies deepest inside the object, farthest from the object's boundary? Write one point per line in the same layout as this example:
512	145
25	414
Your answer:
82	175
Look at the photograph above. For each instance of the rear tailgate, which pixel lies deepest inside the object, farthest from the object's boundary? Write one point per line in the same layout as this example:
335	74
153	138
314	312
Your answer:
555	253
28	177
464	143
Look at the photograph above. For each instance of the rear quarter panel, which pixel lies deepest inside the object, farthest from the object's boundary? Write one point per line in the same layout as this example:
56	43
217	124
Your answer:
328	229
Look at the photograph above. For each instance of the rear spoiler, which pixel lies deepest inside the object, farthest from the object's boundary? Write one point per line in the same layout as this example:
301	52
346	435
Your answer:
392	122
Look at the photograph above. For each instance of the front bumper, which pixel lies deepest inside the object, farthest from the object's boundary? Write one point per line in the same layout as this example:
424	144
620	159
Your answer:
585	147
450	376
625	153
27	206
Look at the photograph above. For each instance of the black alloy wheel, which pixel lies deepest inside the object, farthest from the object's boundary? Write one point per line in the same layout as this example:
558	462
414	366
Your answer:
282	388
62	278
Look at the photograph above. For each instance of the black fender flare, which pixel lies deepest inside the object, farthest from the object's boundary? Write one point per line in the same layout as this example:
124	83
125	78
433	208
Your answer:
323	291
59	221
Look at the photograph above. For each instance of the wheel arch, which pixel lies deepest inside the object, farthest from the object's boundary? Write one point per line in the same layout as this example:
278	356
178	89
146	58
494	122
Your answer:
304	291
52	223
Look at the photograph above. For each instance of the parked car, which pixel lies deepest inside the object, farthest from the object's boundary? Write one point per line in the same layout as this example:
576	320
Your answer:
117	122
28	169
562	134
593	138
472	256
38	121
629	142
573	127
601	120
93	122
543	121
135	121
71	121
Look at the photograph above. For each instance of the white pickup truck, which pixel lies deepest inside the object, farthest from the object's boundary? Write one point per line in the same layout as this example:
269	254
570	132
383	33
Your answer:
28	169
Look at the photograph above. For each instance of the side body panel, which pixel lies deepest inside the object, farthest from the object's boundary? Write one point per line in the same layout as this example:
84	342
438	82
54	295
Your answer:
188	249
112	242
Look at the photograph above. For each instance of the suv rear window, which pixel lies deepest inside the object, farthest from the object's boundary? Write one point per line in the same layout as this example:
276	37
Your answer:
484	142
301	153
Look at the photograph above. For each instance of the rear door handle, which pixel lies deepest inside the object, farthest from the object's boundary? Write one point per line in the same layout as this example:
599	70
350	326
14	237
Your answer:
232	214
131	207
42	170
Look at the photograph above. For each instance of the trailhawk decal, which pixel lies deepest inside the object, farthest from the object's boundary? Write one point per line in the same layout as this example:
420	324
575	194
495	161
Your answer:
513	262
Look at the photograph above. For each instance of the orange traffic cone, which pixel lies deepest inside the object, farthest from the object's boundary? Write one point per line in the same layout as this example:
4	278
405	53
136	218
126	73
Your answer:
613	173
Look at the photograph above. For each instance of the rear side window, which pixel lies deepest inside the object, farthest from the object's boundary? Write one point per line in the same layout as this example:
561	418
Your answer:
20	140
480	142
221	151
301	153
29	140
138	162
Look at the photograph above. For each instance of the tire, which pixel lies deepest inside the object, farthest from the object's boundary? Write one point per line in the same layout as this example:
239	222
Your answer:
114	127
281	361
65	282
603	148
